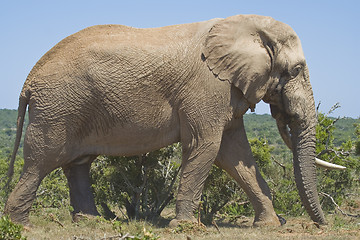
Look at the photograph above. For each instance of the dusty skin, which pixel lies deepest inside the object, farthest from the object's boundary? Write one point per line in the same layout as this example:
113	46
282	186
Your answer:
118	90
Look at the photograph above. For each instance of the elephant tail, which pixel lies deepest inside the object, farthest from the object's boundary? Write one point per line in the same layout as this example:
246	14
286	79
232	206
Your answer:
23	102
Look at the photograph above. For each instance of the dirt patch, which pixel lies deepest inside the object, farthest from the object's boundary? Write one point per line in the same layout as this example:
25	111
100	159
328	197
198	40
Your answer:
56	225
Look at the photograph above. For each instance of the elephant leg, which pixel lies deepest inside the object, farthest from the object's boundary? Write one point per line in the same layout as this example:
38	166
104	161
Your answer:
42	154
21	198
195	170
199	154
236	158
81	195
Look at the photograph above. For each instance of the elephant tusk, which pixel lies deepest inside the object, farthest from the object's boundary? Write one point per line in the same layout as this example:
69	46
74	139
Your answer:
327	165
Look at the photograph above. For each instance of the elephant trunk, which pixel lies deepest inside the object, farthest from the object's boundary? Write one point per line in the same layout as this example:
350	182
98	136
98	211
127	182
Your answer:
303	140
302	130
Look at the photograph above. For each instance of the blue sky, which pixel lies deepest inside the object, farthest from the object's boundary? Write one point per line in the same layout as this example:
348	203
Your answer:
329	31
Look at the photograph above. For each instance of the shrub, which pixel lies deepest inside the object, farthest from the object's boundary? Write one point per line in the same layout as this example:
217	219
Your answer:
219	191
10	230
357	143
144	184
53	191
336	183
5	190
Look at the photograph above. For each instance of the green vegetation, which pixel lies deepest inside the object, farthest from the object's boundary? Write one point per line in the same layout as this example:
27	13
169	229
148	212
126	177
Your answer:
337	184
10	230
144	184
357	143
141	187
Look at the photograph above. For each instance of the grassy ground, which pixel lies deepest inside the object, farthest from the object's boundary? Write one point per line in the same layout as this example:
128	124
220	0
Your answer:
57	224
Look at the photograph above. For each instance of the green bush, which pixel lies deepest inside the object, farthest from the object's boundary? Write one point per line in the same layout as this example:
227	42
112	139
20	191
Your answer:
144	184
4	165
10	230
220	190
335	183
357	133
53	191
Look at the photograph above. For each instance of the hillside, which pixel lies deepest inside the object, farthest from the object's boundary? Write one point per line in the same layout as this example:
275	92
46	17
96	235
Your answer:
8	131
265	126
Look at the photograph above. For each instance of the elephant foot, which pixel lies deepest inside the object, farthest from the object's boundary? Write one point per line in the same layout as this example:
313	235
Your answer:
22	221
179	221
271	220
184	212
18	215
77	217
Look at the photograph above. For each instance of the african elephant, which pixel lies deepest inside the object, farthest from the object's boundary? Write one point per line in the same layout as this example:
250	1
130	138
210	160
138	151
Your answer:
118	90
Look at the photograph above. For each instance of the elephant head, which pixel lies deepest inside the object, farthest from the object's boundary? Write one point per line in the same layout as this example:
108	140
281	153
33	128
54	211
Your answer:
264	59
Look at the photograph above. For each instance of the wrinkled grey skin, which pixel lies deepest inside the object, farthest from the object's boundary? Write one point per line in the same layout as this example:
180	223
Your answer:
117	90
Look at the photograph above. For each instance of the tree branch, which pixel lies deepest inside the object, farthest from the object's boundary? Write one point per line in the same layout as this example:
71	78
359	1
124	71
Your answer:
118	237
337	206
317	109
333	108
339	154
127	182
216	226
53	218
280	164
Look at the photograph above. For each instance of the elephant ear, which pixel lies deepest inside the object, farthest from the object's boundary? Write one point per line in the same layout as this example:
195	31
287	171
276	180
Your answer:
237	49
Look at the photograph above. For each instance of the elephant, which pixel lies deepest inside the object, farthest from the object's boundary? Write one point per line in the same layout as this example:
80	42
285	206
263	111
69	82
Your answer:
122	91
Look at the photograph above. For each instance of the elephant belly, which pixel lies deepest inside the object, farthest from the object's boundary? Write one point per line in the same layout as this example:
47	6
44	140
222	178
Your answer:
130	140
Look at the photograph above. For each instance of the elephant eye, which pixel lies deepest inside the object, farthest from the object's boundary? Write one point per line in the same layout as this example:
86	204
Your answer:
295	71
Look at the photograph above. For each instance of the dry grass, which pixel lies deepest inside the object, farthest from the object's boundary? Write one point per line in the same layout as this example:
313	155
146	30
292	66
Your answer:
57	224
